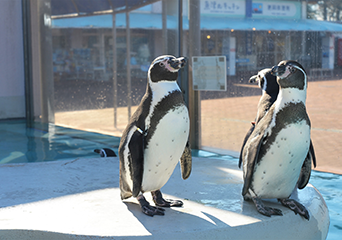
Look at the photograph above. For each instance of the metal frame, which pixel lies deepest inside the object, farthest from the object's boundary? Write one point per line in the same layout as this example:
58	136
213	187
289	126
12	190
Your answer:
27	62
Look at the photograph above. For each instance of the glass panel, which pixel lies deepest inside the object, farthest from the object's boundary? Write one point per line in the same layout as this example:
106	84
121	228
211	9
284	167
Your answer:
265	34
83	63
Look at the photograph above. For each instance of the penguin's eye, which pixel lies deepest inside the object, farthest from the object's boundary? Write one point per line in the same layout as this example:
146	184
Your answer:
162	64
292	69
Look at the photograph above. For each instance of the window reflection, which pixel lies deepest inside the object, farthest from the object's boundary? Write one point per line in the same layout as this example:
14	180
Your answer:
251	35
83	62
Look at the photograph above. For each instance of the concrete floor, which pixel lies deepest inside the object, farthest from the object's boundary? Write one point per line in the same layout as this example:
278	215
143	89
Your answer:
79	199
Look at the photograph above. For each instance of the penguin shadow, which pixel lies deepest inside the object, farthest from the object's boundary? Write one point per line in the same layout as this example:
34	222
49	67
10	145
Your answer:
175	220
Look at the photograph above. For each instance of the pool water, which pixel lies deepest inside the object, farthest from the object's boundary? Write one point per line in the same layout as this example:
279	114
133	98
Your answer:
47	142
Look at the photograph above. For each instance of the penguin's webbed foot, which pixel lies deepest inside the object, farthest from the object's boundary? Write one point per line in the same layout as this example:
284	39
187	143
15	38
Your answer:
295	206
147	208
267	211
161	202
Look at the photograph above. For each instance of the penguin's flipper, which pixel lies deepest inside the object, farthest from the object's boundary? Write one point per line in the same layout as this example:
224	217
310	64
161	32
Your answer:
312	152
250	154
305	172
244	143
186	161
136	149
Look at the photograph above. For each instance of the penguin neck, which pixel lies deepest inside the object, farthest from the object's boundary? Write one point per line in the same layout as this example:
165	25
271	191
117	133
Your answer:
161	89
290	95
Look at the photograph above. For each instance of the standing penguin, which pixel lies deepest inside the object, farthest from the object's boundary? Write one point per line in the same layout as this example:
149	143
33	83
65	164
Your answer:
267	81
274	154
270	89
156	138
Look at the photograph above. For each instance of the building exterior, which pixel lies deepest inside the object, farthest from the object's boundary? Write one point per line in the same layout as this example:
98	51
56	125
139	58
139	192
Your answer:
66	56
269	32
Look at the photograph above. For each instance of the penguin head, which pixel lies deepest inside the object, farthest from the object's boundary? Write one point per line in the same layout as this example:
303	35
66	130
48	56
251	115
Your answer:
266	81
290	74
165	68
105	152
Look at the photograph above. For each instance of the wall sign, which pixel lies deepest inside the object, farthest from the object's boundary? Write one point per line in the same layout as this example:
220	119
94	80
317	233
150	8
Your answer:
234	8
259	9
209	73
276	9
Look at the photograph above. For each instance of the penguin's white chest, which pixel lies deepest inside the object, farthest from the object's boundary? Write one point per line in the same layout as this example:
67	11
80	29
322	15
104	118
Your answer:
165	148
277	173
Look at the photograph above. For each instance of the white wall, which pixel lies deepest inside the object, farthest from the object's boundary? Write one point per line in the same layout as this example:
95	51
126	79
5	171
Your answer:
12	86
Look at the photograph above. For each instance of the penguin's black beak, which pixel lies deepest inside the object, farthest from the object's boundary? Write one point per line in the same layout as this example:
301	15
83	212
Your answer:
253	79
278	70
177	63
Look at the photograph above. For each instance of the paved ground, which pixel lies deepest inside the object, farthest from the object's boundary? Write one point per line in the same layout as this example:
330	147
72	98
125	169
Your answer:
225	122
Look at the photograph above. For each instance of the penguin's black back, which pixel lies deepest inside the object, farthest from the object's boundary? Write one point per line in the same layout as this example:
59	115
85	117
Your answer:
137	119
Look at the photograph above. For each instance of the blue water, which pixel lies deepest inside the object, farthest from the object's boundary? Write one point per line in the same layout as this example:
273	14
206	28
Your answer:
46	142
329	185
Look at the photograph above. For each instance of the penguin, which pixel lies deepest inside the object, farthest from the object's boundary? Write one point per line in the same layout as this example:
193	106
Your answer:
270	89
105	152
156	138
267	81
275	155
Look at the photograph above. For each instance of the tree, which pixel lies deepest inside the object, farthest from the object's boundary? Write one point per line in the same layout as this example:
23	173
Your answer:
328	10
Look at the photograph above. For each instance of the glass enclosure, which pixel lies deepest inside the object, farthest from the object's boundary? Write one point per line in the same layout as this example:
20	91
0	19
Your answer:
87	95
98	82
